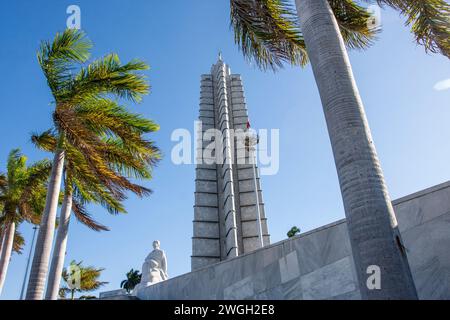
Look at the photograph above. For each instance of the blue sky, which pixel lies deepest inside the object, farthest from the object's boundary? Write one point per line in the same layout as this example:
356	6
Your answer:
180	40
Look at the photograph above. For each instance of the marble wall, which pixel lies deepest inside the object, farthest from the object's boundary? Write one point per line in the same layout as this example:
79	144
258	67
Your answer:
318	264
424	222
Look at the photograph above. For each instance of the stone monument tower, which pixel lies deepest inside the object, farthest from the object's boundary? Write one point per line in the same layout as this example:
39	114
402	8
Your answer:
227	220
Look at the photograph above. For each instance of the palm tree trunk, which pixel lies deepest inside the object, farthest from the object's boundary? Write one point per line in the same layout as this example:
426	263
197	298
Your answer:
6	253
59	251
371	221
39	267
2	237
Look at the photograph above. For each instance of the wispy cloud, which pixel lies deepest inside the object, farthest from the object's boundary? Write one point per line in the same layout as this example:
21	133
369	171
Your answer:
442	85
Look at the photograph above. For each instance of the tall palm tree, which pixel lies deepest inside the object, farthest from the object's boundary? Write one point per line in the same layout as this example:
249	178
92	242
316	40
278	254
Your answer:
88	279
270	33
132	280
81	113
82	187
21	190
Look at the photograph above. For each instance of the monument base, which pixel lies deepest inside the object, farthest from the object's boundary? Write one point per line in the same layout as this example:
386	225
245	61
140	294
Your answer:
318	264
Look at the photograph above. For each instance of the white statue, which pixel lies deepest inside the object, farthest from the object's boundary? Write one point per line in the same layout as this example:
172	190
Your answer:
154	269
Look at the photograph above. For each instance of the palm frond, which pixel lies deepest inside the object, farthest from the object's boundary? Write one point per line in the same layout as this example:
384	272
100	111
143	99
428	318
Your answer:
46	140
3	182
429	21
59	57
267	32
89	278
354	23
109	76
32	199
85	218
18	242
16	165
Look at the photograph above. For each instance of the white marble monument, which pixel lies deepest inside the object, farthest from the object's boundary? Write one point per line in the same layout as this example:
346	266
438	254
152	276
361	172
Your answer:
229	214
154	269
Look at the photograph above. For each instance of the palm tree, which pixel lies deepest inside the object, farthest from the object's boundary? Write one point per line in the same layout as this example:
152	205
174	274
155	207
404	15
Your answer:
132	280
21	190
268	32
87	279
82	187
81	115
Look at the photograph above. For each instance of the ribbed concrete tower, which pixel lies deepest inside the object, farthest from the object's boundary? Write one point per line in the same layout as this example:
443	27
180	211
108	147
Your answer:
226	220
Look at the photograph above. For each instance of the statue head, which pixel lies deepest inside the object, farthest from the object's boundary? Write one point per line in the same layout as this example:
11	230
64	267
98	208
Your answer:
156	244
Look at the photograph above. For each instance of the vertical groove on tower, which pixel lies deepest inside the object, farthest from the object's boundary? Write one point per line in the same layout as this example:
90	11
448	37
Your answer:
223	124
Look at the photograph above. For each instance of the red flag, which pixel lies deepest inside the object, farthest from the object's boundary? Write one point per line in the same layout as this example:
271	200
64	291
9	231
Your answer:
248	124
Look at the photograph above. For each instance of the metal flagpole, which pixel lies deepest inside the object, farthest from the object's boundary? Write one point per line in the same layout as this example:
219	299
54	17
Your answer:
258	210
22	292
251	144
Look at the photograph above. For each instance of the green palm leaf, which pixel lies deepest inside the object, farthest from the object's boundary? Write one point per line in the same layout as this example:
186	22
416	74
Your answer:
267	32
429	21
354	23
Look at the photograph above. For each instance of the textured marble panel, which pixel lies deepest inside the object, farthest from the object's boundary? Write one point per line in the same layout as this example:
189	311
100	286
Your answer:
249	213
110	294
329	281
240	113
206	107
206	229
246	185
292	290
205	186
205	199
239	106
353	295
237	95
242	125
206	174
271	294
205	247
250	228
425	207
249	198
206	101
206	94
245	173
262	280
207	113
251	244
206	214
240	119
428	250
323	247
197	263
289	267
239	100
206	127
207	120
240	290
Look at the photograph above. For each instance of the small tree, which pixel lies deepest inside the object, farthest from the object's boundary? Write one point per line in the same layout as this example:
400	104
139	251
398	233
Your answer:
293	232
132	280
80	279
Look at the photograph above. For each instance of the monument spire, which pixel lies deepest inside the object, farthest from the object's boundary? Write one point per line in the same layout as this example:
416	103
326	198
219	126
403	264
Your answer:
229	217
